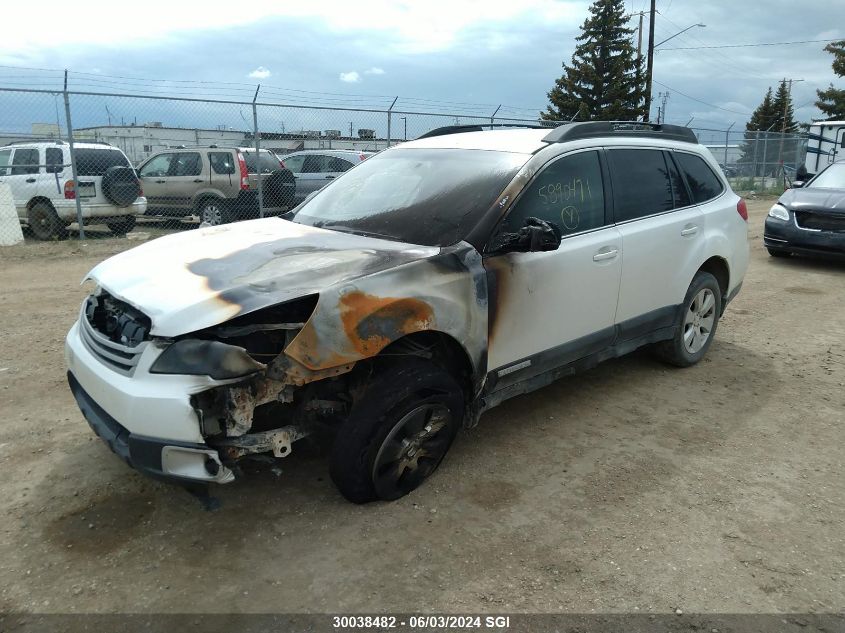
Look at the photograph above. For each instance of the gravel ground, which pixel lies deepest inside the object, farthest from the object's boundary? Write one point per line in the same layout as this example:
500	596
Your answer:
631	487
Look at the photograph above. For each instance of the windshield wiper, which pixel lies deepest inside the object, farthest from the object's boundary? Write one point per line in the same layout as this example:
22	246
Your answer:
348	229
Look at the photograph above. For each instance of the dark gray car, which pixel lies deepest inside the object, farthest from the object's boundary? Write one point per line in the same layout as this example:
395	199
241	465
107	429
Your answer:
809	218
314	169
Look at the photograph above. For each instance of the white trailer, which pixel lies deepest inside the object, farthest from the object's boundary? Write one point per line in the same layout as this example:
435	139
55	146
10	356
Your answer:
825	144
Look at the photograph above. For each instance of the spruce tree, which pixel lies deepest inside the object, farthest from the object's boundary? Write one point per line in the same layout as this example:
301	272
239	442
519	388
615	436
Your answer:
604	80
755	150
832	100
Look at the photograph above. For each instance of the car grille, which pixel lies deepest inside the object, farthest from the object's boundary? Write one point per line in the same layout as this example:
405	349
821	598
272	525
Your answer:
820	221
113	332
119	357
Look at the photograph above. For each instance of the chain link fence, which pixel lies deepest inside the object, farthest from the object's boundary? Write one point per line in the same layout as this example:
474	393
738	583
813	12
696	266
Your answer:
85	164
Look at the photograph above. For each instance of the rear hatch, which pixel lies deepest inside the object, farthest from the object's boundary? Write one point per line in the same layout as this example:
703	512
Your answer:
91	164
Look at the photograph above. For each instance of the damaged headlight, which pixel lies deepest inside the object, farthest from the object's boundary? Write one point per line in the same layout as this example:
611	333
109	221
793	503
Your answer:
206	358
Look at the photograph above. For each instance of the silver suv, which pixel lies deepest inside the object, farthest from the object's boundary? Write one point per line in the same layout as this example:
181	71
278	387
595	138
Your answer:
220	184
40	177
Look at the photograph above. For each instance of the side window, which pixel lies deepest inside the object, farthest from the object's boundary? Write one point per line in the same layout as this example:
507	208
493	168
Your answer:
25	161
5	155
568	192
221	162
294	163
641	184
188	164
314	164
679	189
703	183
55	160
338	164
157	167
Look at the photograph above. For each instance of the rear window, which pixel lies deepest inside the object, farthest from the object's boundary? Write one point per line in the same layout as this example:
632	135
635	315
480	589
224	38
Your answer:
703	183
95	162
269	162
222	162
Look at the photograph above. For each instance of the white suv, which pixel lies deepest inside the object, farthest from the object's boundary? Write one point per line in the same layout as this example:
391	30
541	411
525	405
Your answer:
417	290
40	177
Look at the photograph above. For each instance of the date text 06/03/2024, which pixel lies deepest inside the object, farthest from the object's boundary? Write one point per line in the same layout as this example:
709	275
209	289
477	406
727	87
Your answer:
421	622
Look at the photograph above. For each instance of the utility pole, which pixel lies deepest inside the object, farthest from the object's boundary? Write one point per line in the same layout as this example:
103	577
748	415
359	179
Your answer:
649	62
786	101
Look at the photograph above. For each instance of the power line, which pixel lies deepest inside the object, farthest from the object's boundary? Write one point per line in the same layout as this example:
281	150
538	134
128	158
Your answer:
712	105
695	48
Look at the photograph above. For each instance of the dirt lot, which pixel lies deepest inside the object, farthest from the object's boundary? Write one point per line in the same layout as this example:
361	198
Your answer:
630	487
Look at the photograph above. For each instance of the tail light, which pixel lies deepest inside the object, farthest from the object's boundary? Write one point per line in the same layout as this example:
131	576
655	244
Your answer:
742	209
362	157
282	164
70	190
244	172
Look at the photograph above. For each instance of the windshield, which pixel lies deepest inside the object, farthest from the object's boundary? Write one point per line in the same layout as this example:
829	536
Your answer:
831	178
432	197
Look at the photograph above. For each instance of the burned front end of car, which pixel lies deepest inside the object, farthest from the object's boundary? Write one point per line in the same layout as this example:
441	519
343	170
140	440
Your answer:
189	408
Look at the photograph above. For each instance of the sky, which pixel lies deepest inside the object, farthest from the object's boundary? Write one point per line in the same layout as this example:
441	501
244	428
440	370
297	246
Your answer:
460	56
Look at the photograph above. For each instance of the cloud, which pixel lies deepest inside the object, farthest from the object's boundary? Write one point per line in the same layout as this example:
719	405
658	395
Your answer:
260	73
352	77
375	70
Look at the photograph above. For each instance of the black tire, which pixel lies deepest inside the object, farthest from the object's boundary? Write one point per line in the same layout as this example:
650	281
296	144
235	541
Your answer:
44	222
279	189
121	226
677	350
778	253
121	186
415	400
214	212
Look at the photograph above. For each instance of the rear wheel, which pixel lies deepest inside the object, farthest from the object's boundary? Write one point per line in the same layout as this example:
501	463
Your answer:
699	317
212	212
778	253
44	222
121	226
397	432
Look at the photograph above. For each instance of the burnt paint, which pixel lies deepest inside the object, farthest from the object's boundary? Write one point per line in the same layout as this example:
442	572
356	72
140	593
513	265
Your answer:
371	323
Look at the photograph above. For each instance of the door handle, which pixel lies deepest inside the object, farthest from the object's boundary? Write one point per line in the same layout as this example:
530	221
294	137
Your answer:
160	182
198	180
688	230
604	254
30	179
329	177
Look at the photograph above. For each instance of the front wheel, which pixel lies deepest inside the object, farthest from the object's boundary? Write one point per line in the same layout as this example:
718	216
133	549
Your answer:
44	222
397	432
212	212
699	317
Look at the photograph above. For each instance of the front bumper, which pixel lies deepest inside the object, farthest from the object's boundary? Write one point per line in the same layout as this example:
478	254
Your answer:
146	419
785	235
175	462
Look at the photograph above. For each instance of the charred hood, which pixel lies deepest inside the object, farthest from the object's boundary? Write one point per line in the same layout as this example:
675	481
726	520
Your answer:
193	280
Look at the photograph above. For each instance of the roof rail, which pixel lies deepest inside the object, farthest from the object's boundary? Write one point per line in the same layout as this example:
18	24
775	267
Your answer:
36	140
592	129
478	127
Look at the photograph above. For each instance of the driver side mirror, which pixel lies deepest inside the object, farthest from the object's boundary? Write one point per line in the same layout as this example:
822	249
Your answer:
536	235
797	184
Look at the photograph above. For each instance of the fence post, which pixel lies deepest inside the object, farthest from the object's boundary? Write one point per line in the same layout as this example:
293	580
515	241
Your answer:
765	158
257	152
727	134
388	120
493	116
73	169
755	153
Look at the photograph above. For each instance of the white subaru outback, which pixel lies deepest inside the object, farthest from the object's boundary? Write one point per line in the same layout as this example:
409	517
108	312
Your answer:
417	290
